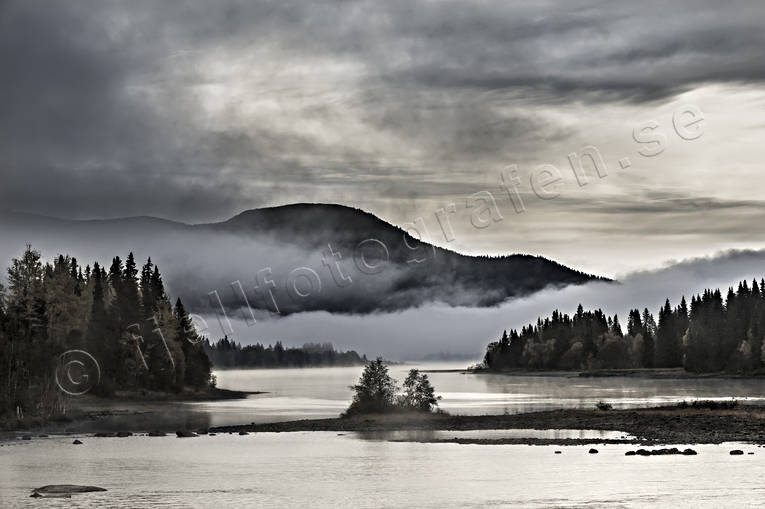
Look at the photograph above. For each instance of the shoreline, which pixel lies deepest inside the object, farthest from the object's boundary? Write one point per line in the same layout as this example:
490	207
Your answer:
83	411
644	373
657	425
663	425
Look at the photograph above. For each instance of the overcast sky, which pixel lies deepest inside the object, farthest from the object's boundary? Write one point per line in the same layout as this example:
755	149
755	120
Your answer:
196	110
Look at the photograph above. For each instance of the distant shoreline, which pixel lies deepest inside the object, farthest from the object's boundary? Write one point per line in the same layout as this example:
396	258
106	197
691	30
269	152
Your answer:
263	368
647	373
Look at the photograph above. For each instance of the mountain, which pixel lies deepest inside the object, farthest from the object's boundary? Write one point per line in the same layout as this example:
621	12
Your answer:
292	258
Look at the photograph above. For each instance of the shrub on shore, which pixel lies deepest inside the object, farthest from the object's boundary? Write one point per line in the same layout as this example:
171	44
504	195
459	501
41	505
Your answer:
709	405
376	392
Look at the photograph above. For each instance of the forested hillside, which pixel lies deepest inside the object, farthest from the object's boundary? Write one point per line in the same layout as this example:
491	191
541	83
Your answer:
713	335
121	317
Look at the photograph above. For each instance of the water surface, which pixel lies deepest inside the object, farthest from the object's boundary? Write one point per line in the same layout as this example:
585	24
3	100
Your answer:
320	393
343	471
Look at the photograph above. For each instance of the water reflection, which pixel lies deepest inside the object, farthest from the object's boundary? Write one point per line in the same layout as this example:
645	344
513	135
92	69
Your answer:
325	470
494	434
324	393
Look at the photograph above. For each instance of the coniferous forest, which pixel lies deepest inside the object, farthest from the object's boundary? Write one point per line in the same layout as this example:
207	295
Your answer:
121	316
709	336
229	354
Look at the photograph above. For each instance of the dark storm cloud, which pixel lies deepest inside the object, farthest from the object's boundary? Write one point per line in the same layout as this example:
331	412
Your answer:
133	107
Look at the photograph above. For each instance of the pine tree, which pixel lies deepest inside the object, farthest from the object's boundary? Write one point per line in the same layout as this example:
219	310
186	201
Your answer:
375	390
99	332
198	368
616	328
668	353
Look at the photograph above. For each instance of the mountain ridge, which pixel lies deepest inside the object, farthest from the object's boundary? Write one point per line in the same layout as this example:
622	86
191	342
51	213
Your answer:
374	265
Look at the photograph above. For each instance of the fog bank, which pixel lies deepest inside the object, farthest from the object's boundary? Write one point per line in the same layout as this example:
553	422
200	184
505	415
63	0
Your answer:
415	333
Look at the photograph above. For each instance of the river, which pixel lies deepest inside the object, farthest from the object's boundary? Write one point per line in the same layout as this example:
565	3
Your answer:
356	470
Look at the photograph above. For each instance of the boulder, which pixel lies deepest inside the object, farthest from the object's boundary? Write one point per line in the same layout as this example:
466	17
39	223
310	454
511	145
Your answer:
593	451
689	452
63	490
185	434
76	442
736	452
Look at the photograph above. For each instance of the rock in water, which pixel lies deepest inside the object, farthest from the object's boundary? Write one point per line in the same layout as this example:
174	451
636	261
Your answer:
736	452
593	451
185	434
689	452
63	490
76	442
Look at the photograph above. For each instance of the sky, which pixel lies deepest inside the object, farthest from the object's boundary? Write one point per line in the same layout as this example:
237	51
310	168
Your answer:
197	110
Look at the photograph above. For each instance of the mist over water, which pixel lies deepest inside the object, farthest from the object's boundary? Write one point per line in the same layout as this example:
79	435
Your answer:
415	333
197	261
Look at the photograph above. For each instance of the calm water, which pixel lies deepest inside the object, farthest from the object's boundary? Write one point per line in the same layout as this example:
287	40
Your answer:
364	470
327	470
317	393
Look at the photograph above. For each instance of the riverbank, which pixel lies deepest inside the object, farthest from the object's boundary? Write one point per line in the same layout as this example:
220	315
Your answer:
677	424
86	411
648	373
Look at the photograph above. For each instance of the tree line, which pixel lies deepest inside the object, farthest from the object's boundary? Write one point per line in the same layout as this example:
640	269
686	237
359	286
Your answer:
229	354
122	317
711	335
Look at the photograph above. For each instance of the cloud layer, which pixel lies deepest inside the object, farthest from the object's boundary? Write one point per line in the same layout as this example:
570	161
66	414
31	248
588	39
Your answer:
196	110
465	332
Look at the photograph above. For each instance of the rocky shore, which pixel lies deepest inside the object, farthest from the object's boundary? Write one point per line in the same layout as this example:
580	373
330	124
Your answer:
678	424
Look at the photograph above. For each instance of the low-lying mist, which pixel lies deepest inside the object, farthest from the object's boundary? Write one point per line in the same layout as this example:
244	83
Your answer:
291	259
416	333
196	261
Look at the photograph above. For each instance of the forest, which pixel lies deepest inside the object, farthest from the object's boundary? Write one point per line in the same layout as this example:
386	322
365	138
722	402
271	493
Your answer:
229	354
121	316
711	335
